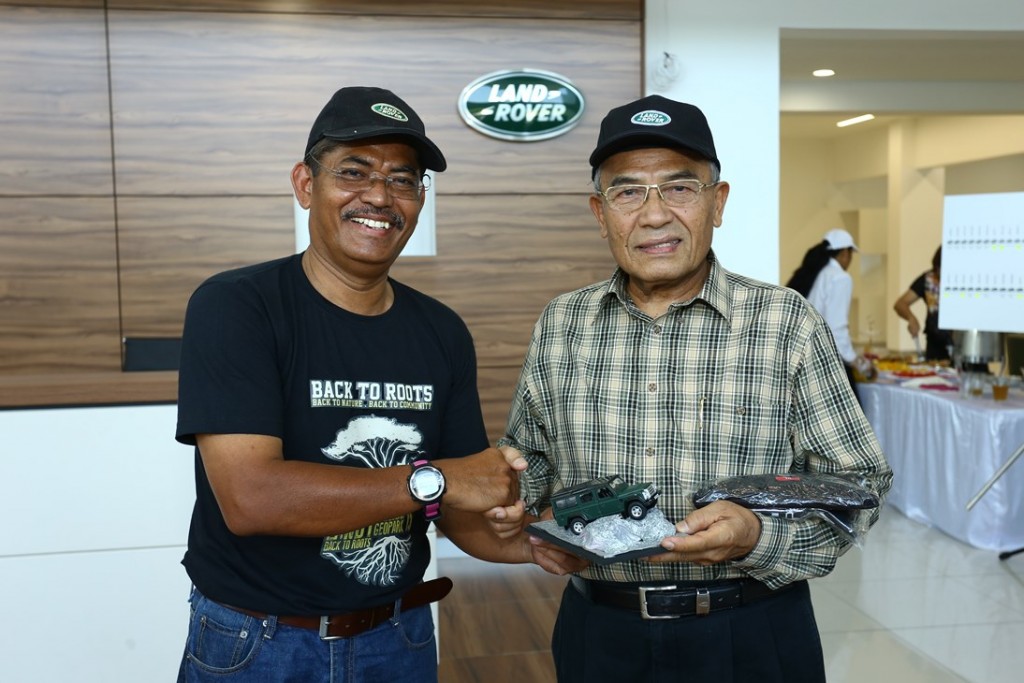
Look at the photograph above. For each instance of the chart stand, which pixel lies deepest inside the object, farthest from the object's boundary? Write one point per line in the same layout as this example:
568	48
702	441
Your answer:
984	489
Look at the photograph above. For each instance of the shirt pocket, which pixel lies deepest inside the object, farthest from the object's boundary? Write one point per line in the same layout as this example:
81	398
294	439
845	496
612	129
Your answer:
733	434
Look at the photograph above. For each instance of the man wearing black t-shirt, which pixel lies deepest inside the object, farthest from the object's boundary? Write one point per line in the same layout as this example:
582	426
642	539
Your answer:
335	414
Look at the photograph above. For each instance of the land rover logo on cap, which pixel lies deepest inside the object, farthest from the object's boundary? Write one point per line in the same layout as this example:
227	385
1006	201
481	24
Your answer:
524	105
651	117
390	111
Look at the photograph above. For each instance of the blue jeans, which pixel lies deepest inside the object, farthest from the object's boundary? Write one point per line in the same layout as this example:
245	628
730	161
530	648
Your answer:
225	645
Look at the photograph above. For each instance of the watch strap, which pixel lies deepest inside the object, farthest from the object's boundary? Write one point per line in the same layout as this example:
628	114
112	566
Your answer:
432	510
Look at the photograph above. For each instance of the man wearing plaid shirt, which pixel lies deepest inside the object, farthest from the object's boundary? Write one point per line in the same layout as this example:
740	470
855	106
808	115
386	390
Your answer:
678	372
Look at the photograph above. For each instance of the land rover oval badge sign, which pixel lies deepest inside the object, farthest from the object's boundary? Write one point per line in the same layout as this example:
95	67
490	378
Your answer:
524	105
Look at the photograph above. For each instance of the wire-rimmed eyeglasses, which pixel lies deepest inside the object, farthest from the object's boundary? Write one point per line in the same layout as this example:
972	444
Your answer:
352	178
676	193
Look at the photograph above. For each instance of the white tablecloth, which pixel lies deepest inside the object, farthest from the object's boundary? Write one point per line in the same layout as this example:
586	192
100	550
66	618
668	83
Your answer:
942	449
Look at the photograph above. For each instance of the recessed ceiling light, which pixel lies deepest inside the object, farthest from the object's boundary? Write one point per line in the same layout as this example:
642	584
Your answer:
855	119
823	73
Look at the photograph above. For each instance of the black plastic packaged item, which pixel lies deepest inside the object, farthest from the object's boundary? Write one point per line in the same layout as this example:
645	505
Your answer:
791	490
844	501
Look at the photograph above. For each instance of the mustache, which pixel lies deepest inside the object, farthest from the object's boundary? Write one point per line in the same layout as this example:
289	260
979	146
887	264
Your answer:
396	220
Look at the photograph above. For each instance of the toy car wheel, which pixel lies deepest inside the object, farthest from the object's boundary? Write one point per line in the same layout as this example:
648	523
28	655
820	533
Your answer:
576	525
636	510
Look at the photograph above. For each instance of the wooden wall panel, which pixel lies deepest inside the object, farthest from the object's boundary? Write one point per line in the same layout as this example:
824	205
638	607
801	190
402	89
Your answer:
58	286
210	109
601	58
64	4
496	384
54	108
499	269
169	245
222	103
547	9
102	388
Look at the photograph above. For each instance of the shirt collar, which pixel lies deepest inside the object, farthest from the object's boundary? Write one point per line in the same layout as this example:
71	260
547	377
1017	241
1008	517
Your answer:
715	292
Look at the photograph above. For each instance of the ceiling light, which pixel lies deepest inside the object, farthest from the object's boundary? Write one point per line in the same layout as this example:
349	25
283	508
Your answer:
855	119
823	73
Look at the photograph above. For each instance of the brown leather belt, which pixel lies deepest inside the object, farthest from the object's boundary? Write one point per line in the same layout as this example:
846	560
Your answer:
334	626
672	602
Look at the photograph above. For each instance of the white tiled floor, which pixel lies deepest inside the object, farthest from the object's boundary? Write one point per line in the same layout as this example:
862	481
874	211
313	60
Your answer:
916	606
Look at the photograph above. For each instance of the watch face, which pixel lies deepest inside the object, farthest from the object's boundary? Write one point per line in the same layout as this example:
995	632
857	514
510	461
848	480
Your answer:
427	483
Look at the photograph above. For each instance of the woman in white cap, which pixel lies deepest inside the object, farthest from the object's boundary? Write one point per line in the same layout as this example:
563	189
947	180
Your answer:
823	280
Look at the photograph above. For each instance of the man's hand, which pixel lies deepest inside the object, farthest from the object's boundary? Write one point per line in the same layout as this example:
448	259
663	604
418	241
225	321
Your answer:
479	482
554	560
549	556
717	533
514	458
508	520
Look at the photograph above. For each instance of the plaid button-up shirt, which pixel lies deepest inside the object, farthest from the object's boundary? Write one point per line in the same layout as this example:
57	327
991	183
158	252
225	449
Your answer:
742	379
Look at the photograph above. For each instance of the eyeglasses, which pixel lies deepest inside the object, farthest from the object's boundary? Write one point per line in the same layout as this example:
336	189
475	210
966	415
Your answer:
676	193
355	179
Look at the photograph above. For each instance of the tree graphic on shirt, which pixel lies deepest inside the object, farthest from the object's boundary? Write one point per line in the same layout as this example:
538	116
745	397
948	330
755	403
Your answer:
380	564
373	441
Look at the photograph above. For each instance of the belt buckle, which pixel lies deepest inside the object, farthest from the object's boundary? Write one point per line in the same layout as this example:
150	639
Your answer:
703	603
644	590
325	622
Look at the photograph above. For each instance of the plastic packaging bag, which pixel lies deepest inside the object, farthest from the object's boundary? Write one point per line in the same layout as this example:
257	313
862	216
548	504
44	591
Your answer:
844	501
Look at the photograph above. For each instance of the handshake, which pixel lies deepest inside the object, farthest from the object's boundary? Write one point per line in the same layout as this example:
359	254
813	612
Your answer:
484	480
488	518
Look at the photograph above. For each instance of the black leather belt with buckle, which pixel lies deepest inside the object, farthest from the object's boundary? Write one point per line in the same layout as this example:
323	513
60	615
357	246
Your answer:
333	627
673	602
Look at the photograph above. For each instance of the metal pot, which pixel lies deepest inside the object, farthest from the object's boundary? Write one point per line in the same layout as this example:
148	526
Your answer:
977	346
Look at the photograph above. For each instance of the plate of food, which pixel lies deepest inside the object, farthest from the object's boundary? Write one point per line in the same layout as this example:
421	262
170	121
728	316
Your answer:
914	371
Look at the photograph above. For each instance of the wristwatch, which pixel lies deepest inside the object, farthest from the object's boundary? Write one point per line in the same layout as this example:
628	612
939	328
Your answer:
426	486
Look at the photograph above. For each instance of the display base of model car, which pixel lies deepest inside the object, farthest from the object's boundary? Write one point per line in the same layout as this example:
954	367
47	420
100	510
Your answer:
609	539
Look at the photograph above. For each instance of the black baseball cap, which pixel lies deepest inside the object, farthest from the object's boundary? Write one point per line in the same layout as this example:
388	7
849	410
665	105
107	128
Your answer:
359	112
654	121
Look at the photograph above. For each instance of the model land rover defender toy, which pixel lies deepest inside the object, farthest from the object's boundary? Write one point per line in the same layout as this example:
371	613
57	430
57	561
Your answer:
577	506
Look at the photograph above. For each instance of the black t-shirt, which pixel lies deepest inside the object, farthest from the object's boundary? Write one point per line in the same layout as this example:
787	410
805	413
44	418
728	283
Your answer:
264	353
937	340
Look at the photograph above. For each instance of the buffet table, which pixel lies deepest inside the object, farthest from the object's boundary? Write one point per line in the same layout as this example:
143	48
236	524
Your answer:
943	449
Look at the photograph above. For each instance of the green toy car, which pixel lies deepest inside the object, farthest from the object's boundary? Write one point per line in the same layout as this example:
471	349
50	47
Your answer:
577	506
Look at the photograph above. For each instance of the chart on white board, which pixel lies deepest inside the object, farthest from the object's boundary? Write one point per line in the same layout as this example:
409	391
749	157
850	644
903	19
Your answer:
982	283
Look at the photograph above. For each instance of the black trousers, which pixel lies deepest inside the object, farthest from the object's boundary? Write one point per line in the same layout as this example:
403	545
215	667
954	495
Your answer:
774	640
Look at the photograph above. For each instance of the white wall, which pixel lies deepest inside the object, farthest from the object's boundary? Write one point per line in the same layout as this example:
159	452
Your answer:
729	69
728	57
95	506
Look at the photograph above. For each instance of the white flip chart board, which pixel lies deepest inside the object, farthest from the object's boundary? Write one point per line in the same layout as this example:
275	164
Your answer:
983	263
